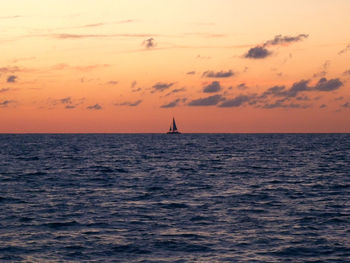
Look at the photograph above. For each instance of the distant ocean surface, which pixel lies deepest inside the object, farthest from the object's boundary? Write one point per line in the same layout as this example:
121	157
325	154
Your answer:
175	198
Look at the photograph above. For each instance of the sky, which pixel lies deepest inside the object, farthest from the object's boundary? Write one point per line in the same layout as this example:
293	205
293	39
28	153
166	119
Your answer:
130	66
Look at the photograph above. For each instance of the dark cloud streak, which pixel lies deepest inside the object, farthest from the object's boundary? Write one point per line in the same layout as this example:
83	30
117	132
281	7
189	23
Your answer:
94	107
219	74
208	101
161	86
171	104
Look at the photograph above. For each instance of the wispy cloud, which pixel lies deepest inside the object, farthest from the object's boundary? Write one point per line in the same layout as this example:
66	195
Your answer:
237	101
67	102
344	50
128	103
80	36
283	40
242	86
10	69
261	51
10	17
6	103
208	101
346	105
94	107
171	104
281	104
63	66
346	73
161	86
4	90
112	82
175	91
100	24
219	74
323	72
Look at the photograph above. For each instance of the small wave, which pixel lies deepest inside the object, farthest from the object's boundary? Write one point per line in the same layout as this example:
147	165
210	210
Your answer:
181	246
130	248
11	200
25	219
175	205
59	225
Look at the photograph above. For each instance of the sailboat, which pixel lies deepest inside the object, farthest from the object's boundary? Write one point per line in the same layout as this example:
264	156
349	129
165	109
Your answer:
173	128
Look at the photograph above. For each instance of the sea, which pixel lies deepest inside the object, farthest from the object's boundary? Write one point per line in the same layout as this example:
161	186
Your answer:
175	198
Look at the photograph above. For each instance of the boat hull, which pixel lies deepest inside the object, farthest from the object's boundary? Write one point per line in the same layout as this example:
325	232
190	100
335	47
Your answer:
173	132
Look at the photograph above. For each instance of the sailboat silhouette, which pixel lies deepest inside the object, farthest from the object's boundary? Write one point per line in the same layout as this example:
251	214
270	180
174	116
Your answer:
173	128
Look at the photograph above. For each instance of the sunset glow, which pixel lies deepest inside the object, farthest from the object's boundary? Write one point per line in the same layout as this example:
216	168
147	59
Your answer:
217	66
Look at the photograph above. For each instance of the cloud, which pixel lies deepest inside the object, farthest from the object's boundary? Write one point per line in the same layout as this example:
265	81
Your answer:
4	90
136	90
343	51
112	82
237	101
69	107
258	52
212	87
296	88
242	86
6	103
346	73
171	104
191	73
86	68
149	43
94	107
281	91
280	104
274	91
220	74
80	36
208	101
66	100
10	17
133	84
328	85
302	86
346	105
9	69
161	86
303	98
133	87
131	104
282	40
261	51
175	91
324	70
101	24
12	79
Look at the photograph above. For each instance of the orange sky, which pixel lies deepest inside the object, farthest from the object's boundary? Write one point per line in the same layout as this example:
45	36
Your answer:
217	66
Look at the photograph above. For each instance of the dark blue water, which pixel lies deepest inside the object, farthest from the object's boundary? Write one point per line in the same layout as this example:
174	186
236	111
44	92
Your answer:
182	198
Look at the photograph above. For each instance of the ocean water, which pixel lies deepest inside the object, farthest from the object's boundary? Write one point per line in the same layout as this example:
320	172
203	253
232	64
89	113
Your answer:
175	198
